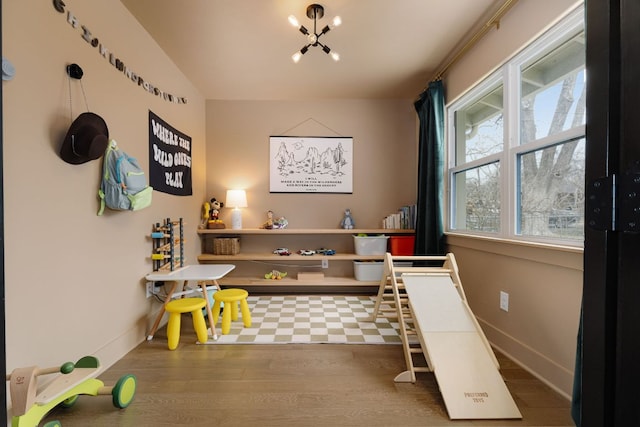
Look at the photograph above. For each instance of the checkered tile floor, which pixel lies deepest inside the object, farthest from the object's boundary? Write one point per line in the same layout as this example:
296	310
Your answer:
311	319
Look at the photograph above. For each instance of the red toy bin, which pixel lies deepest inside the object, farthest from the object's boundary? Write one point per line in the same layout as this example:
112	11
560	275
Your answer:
401	245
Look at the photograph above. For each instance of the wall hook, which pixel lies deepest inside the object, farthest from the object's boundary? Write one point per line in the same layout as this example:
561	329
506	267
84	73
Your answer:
74	71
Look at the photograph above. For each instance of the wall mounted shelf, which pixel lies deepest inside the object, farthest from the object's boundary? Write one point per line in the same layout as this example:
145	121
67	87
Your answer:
256	255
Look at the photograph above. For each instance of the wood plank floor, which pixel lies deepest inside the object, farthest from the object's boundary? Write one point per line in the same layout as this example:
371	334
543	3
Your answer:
290	385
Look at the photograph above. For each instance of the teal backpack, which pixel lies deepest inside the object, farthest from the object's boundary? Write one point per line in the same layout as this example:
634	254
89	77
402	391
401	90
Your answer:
124	183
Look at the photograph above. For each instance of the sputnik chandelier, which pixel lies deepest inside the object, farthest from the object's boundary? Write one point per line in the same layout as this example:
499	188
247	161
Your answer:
315	12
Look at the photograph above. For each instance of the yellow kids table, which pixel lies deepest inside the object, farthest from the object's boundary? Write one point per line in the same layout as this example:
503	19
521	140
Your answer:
202	273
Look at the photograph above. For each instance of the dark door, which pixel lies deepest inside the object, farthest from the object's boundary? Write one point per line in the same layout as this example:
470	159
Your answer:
611	299
3	353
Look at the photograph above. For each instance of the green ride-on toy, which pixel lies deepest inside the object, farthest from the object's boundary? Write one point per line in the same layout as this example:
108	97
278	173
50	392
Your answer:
29	406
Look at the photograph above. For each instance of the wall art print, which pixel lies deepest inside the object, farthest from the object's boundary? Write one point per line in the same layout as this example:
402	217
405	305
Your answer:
169	158
310	164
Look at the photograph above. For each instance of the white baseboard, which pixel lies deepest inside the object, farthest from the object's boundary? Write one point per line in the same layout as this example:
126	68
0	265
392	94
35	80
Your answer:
559	378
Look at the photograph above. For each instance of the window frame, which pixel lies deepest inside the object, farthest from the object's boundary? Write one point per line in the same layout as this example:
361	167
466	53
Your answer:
509	73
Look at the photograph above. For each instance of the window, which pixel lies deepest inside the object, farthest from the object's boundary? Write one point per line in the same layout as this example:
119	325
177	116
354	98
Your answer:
517	144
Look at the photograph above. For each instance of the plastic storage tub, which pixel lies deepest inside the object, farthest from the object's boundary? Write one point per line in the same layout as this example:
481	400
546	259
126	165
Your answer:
401	245
368	271
370	245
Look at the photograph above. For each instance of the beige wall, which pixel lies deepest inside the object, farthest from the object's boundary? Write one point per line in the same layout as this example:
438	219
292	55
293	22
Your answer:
74	281
545	289
544	282
384	156
522	24
384	168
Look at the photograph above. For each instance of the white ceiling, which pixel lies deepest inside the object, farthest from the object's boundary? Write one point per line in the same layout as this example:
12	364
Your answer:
241	49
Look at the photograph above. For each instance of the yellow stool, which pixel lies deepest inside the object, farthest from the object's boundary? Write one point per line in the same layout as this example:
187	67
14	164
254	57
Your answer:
175	309
230	298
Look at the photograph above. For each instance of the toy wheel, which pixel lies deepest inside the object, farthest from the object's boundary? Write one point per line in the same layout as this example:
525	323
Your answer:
68	403
55	423
124	391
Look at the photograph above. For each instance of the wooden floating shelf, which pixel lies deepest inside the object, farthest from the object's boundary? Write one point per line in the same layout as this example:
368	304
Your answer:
287	281
277	231
284	258
258	244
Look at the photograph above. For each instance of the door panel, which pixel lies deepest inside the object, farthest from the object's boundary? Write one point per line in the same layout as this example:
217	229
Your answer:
611	313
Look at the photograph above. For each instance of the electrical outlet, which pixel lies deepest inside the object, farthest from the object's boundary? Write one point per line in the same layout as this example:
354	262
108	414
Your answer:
150	289
325	263
504	301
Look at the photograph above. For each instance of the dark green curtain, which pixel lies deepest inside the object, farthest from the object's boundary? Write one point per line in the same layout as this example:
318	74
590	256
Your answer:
429	222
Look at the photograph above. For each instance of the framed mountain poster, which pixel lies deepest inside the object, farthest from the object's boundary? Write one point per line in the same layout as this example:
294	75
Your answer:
303	164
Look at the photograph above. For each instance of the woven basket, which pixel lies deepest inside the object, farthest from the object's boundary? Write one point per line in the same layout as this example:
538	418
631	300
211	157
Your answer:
226	246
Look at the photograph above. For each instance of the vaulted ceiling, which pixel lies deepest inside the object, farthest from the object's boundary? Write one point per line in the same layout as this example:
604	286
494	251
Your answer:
241	49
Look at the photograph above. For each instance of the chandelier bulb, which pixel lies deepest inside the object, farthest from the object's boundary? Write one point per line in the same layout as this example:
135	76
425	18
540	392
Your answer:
294	21
314	12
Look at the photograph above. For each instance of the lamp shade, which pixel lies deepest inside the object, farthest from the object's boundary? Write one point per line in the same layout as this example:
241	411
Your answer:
236	198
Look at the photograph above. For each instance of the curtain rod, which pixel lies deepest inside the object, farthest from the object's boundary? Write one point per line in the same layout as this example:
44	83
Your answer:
494	20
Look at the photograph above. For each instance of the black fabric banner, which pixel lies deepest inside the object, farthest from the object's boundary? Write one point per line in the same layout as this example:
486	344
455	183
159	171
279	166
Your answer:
169	158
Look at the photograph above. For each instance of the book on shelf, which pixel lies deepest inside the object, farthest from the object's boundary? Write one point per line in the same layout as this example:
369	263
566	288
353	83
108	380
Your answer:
404	219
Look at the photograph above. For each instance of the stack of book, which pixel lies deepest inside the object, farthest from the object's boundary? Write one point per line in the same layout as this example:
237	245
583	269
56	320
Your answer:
405	218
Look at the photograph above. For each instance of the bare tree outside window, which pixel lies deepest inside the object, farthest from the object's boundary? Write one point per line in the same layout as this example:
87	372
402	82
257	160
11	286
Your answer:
551	179
479	131
480	198
546	157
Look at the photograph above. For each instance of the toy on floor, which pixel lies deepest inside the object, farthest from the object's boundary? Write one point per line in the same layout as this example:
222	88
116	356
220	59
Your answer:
29	406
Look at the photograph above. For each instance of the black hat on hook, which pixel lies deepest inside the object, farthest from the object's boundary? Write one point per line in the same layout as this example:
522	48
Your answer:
87	139
88	135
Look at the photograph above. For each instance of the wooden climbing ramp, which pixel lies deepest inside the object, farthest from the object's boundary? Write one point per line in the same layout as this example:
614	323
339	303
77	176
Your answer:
425	295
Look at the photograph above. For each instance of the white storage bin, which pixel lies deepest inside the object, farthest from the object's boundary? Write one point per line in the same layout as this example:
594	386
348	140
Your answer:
402	264
368	271
370	245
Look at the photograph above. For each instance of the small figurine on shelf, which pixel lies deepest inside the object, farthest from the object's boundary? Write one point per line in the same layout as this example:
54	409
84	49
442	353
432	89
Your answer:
280	223
214	212
206	212
347	222
269	222
215	208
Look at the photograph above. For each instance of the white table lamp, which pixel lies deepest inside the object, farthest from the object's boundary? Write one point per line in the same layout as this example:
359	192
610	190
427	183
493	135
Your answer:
236	199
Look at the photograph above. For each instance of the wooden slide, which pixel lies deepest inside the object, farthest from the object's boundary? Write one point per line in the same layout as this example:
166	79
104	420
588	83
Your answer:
436	321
